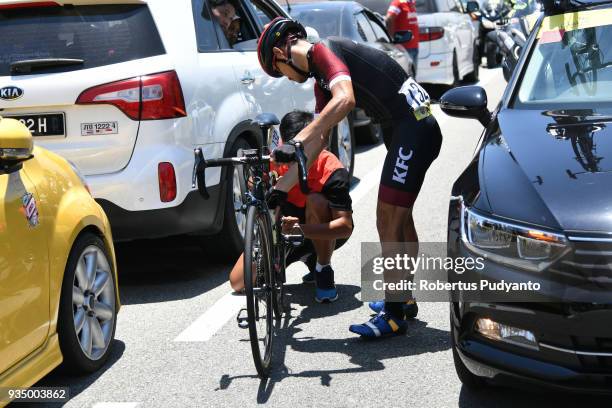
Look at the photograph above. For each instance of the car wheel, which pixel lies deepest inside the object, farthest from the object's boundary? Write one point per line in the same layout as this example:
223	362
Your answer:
465	376
475	74
491	50
234	220
88	306
369	134
456	78
343	144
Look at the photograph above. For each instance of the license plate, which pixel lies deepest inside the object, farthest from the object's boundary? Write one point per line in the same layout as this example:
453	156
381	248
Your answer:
44	124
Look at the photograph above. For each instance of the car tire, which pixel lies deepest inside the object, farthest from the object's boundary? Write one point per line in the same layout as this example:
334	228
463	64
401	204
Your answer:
231	236
491	53
369	134
466	377
343	144
88	306
475	74
456	79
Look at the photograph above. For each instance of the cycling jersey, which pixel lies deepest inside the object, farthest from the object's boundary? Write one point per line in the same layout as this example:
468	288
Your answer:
376	77
405	20
326	175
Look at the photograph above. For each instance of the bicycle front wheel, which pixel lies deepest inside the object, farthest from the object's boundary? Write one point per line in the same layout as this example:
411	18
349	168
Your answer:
258	289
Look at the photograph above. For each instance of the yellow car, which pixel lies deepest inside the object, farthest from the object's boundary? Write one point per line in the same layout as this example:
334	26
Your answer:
58	281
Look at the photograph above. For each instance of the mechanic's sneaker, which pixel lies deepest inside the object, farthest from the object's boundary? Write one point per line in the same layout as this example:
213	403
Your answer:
326	295
309	277
381	325
411	309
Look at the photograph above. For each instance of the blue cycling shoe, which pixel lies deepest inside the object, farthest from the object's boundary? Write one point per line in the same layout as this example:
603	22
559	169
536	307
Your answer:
381	325
326	295
411	309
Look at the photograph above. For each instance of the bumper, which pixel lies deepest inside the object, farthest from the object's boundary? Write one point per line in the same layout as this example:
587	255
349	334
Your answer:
193	215
507	364
436	69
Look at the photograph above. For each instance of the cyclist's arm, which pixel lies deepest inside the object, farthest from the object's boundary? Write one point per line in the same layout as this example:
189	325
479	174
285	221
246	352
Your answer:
390	23
315	136
340	227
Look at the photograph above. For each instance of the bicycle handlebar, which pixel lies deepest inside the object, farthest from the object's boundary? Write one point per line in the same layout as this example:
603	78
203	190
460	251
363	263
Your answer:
200	165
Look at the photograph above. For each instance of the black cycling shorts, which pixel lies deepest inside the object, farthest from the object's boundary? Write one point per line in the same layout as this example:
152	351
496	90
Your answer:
413	147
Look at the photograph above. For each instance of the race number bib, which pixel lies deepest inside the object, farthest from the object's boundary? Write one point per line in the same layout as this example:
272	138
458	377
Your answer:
417	98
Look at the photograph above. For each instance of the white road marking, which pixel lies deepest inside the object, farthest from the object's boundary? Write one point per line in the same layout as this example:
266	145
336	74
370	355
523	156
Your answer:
116	405
213	319
205	327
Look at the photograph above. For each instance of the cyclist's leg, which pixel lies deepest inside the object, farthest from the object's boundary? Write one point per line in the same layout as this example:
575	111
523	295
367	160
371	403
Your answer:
236	276
414	147
318	212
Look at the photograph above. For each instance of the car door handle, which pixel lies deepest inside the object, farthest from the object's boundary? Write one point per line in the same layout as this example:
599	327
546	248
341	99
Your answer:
247	78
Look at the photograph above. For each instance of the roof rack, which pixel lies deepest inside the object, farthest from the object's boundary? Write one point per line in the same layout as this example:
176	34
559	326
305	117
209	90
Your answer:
552	7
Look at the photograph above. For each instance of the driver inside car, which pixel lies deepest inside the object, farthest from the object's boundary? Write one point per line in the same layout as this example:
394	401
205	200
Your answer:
324	216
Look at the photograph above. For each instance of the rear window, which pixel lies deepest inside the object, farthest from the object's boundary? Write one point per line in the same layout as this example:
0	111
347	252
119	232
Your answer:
98	34
325	20
425	6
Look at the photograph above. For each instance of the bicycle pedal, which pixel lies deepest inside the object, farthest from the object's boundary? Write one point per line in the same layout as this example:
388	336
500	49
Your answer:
242	319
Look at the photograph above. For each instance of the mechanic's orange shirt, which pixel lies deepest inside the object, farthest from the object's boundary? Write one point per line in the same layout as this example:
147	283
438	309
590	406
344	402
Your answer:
318	174
405	20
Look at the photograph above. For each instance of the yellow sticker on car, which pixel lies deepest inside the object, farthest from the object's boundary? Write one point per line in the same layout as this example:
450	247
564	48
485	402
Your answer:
553	26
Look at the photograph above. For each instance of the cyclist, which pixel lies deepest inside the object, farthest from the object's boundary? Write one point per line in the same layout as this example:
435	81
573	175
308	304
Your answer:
402	16
349	74
324	215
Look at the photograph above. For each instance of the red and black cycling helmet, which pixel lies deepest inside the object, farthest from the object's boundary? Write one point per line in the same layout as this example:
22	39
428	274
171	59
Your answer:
276	31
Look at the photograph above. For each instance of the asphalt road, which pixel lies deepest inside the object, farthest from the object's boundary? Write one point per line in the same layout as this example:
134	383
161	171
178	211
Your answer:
177	343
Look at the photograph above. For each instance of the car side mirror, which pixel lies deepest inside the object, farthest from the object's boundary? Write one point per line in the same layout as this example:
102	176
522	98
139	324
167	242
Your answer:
467	102
402	36
472	7
312	35
15	143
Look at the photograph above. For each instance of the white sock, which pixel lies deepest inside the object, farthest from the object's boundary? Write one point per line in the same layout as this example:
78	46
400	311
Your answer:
320	267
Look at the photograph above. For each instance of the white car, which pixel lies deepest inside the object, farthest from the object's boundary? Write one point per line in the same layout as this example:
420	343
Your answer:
127	89
448	43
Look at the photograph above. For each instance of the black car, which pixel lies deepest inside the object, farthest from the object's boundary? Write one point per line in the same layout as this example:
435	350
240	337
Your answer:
536	204
350	19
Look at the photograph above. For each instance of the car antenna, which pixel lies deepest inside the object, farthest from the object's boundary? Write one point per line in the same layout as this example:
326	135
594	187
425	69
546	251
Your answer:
288	6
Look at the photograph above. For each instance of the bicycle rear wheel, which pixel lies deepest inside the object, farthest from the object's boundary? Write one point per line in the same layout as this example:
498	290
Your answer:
258	289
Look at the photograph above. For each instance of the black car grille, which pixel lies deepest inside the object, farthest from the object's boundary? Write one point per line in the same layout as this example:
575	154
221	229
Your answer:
590	261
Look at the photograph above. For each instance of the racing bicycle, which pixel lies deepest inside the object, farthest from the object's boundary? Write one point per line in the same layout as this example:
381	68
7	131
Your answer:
265	245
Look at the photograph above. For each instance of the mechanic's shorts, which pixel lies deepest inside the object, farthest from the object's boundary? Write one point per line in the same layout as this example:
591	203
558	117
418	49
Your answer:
413	147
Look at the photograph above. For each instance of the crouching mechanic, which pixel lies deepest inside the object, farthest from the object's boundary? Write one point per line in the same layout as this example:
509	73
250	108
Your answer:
349	74
324	215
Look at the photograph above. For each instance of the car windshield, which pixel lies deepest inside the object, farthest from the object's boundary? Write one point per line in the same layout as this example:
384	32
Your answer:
325	20
571	63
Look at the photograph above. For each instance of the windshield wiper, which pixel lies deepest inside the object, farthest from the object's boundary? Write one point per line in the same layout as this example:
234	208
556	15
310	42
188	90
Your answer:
27	66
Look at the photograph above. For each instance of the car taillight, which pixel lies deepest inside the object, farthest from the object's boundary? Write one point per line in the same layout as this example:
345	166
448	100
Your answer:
18	5
149	97
431	33
167	182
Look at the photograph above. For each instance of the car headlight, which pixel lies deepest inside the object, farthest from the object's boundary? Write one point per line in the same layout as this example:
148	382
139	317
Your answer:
80	176
511	244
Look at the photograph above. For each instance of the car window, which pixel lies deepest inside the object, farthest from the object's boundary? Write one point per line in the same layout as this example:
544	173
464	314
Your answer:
206	35
263	13
379	32
569	69
364	28
426	6
99	35
454	6
325	20
244	31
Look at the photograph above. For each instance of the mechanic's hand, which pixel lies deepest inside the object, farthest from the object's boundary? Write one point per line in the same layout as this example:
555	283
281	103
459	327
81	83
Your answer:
276	198
284	153
289	224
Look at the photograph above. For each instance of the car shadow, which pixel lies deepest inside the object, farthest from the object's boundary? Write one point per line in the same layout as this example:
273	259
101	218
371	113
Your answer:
364	355
168	269
503	397
59	378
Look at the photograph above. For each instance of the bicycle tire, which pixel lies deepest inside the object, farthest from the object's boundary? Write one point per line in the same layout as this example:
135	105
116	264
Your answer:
258	290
